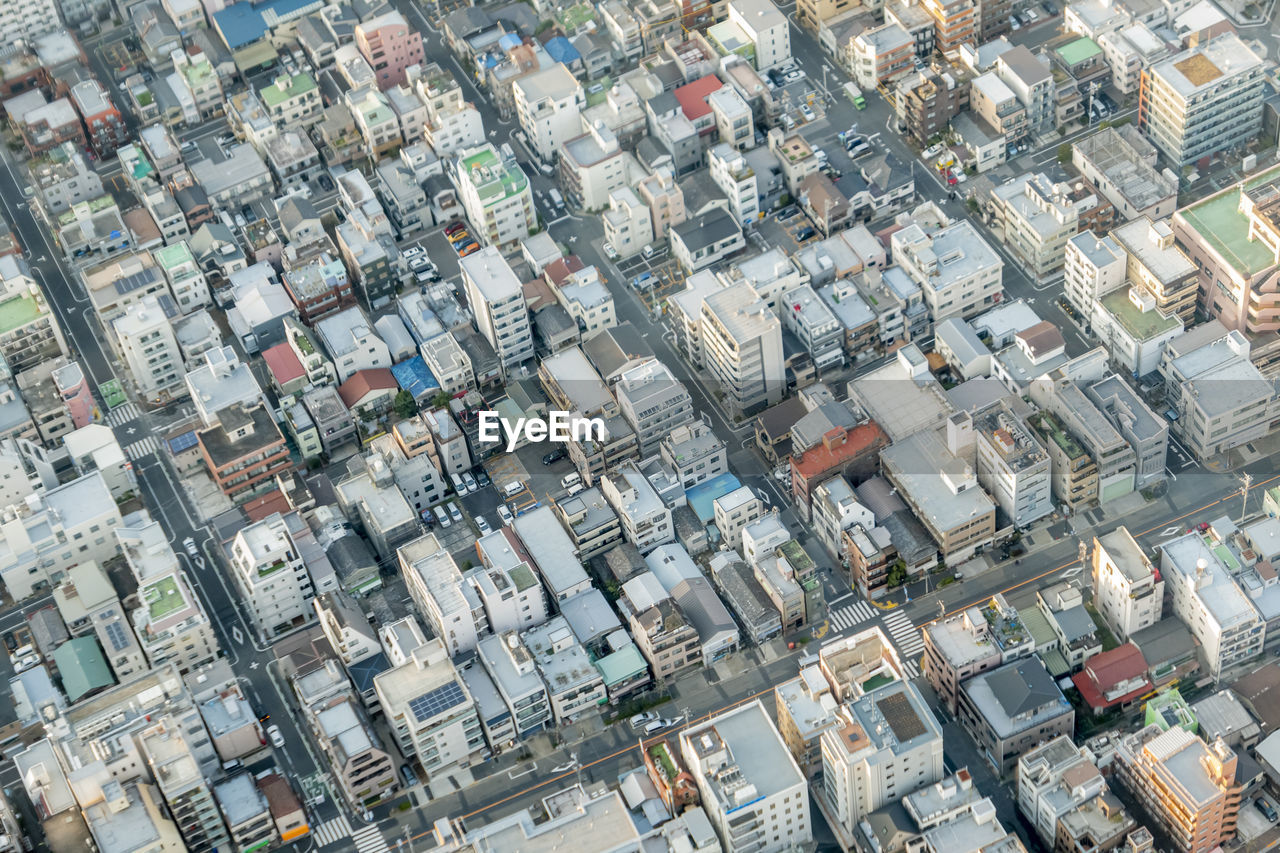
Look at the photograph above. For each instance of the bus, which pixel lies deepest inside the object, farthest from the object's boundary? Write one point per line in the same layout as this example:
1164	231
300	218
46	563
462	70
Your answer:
855	95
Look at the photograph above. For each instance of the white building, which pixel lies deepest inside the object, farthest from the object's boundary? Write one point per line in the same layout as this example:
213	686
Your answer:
507	585
498	305
1053	780
646	520
589	303
742	347
1012	465
734	512
1206	598
144	338
496	195
549	104
1128	592
653	402
958	272
27	18
767	28
271	576
1036	218
437	588
352	342
628	223
515	674
1094	268
752	790
737	180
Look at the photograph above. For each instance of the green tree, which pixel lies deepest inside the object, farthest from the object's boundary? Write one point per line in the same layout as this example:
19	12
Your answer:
404	404
1064	152
897	574
440	401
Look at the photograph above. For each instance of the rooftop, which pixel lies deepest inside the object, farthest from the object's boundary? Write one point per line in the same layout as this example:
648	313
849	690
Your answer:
1142	325
493	177
1017	696
1192	71
1221	597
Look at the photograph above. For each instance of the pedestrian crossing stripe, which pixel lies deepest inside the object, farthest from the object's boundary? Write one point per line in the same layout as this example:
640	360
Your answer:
124	414
138	449
906	635
855	614
367	840
332	831
370	840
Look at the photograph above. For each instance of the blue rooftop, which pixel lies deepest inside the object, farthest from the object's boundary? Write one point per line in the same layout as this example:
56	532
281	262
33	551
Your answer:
702	496
246	22
561	50
508	41
413	376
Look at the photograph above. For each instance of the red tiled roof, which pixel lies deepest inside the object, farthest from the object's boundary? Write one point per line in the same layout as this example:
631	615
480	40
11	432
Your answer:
561	268
362	382
283	363
267	505
1104	671
693	96
820	458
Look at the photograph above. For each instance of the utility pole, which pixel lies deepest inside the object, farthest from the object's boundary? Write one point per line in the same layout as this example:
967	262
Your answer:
1246	480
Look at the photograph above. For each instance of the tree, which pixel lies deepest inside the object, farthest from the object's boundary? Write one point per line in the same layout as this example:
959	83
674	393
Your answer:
404	404
1064	152
440	401
897	574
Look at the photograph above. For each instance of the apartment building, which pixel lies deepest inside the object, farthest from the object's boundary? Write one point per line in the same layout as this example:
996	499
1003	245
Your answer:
742	348
1055	779
514	672
29	332
175	765
1192	789
1012	465
1037	218
879	55
592	167
1032	84
1011	709
1079	418
1157	264
662	632
496	195
1093	268
144	338
292	99
186	279
104	126
1128	590
711	237
591	523
752	791
1121	164
29	18
498	304
1145	431
390	47
1203	101
653	402
1217	396
507	585
998	108
431	712
548	105
1205	596
979	639
451	606
694	452
926	100
733	174
955	268
884	745
628	223
646	520
271	576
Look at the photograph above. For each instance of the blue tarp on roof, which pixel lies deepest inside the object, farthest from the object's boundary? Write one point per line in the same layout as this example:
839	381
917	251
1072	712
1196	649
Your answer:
562	50
244	23
702	496
413	376
508	41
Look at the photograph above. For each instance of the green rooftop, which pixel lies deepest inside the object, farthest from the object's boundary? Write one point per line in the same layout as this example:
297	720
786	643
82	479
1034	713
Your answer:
1143	325
82	666
796	556
1079	50
276	93
174	255
163	598
18	311
198	73
493	179
522	576
576	17
621	666
1220	223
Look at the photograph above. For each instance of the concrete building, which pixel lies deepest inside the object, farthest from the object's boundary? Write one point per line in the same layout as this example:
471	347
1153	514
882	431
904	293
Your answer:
592	167
1191	788
496	195
1011	709
706	239
1094	267
144	338
1203	101
958	272
1054	779
766	28
743	770
742	348
552	552
1159	266
654	403
506	584
1205	597
646	520
969	643
666	638
498	304
548	105
272	578
390	47
452	607
1120	163
29	333
1128	591
1037	218
352	343
515	674
1012	465
574	685
694	452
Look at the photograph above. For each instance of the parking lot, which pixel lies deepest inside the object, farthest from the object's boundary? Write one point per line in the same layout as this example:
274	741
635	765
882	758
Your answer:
666	276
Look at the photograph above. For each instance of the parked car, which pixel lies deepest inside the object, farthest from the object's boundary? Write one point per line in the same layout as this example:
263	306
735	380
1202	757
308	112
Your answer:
277	739
644	718
807	113
470	481
470	247
805	233
442	517
483	526
504	515
1266	808
410	778
326	183
554	456
645	279
455	513
25	663
482	479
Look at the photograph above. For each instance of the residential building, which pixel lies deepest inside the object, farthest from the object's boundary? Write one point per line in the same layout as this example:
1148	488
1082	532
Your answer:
390	47
742	348
979	639
27	19
591	523
1145	431
104	126
507	585
694	452
345	627
515	674
628	223
497	301
319	287
1054	780
431	711
1012	465
766	28
751	788
958	272
1193	790
244	450
272	577
879	55
1032	84
684	581
29	332
1011	709
1205	596
574	685
1128	590
646	520
548	105
144	338
186	279
663	634
175	765
926	101
1094	267
592	167
1157	264
452	608
1037	219
292	100
1202	102
815	325
653	402
1121	165
711	237
495	194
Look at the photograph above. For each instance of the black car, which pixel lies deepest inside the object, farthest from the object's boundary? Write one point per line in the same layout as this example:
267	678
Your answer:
554	456
325	182
249	215
482	479
1267	811
804	233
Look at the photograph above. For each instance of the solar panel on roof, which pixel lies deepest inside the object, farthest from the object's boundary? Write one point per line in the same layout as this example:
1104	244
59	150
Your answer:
115	633
437	701
186	441
901	717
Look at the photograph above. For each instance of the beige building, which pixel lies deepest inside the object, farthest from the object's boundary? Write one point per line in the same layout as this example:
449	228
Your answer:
1127	589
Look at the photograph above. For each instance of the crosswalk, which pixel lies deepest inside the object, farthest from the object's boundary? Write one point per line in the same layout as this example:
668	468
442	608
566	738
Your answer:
138	449
902	631
124	414
367	840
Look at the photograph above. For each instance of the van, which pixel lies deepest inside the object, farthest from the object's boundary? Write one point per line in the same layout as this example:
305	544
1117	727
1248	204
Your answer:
547	169
458	487
512	489
574	489
22	652
570	479
556	198
655	727
442	517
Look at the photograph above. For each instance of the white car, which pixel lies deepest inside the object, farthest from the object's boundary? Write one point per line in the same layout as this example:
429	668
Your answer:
504	515
807	113
483	526
277	739
26	663
414	251
470	481
190	545
455	513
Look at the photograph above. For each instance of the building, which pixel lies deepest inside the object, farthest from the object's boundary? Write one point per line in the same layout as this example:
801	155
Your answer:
1121	165
668	640
958	272
1128	591
496	195
104	126
144	337
431	711
390	47
1054	780
654	403
1157	264
1011	709
365	774
969	643
645	519
742	348
694	452
574	685
29	333
751	788
766	28
452	607
1037	218
1190	788
272	577
514	673
592	168
548	105
884	745
699	242
497	302
175	766
292	99
1012	465
507	585
1203	101
1206	598
26	19
244	450
879	55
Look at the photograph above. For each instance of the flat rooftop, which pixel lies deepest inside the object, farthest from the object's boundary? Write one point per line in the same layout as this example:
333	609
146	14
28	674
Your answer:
1221	224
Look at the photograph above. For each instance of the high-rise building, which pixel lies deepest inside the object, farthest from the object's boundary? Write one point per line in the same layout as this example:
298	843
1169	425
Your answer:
1127	589
497	302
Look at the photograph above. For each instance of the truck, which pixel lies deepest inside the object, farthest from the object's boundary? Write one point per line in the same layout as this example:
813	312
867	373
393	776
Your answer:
855	95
